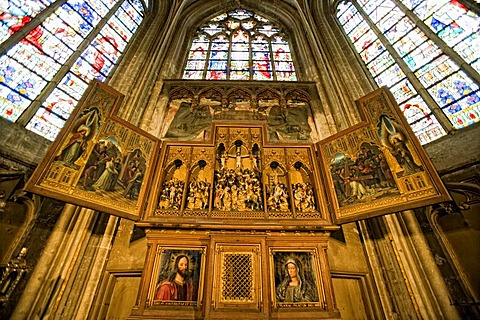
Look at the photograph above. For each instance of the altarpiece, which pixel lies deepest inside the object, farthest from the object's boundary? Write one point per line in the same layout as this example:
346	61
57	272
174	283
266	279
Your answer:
240	195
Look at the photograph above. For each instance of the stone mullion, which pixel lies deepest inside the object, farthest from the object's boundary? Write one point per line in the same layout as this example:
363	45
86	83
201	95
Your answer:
422	91
35	22
272	60
250	56
29	113
337	35
207	59
229	55
128	63
466	67
471	5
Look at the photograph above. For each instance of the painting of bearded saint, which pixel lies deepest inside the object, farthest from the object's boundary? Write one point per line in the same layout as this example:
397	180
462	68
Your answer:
179	285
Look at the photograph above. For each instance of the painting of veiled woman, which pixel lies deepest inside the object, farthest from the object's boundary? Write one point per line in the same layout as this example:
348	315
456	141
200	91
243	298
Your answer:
109	177
294	278
75	146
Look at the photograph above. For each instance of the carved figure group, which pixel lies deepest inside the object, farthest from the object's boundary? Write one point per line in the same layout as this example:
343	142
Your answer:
277	197
198	194
303	197
172	194
237	190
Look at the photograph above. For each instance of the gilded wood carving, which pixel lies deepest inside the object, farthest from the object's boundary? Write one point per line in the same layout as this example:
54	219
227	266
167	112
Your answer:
237	176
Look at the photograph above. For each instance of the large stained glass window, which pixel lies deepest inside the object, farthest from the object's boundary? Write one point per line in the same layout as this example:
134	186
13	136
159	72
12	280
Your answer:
240	45
15	14
44	74
427	52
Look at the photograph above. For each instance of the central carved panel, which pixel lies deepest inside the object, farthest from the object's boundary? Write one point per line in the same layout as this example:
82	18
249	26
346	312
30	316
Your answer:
238	176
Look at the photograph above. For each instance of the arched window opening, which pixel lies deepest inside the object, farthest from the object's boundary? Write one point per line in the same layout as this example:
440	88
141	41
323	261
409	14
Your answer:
240	45
44	74
427	52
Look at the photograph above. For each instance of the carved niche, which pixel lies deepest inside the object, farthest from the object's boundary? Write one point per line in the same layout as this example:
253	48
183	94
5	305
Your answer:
236	179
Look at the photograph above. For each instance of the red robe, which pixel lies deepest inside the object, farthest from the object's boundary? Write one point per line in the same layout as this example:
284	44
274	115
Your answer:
167	290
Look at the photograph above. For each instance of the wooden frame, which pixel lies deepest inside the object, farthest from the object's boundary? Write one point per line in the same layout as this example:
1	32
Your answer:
238	274
385	140
228	267
164	266
90	163
287	263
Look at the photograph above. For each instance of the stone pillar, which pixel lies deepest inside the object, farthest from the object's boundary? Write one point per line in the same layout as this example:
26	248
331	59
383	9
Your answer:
65	279
409	283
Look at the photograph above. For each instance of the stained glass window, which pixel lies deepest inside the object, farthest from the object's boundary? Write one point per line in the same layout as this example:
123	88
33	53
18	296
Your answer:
16	14
49	54
384	33
240	45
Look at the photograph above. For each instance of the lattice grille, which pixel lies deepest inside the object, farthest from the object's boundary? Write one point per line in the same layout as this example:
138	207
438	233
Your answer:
237	278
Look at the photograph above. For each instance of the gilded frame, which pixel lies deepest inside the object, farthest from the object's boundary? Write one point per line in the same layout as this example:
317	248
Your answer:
384	139
248	295
164	265
309	292
90	162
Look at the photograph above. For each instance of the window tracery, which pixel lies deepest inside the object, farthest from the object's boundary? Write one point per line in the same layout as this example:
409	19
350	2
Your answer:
240	45
44	74
427	52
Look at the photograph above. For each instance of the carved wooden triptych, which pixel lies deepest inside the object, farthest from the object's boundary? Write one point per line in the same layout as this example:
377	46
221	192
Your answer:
242	154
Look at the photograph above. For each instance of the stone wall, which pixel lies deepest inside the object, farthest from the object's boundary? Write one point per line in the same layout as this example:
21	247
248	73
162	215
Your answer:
20	149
